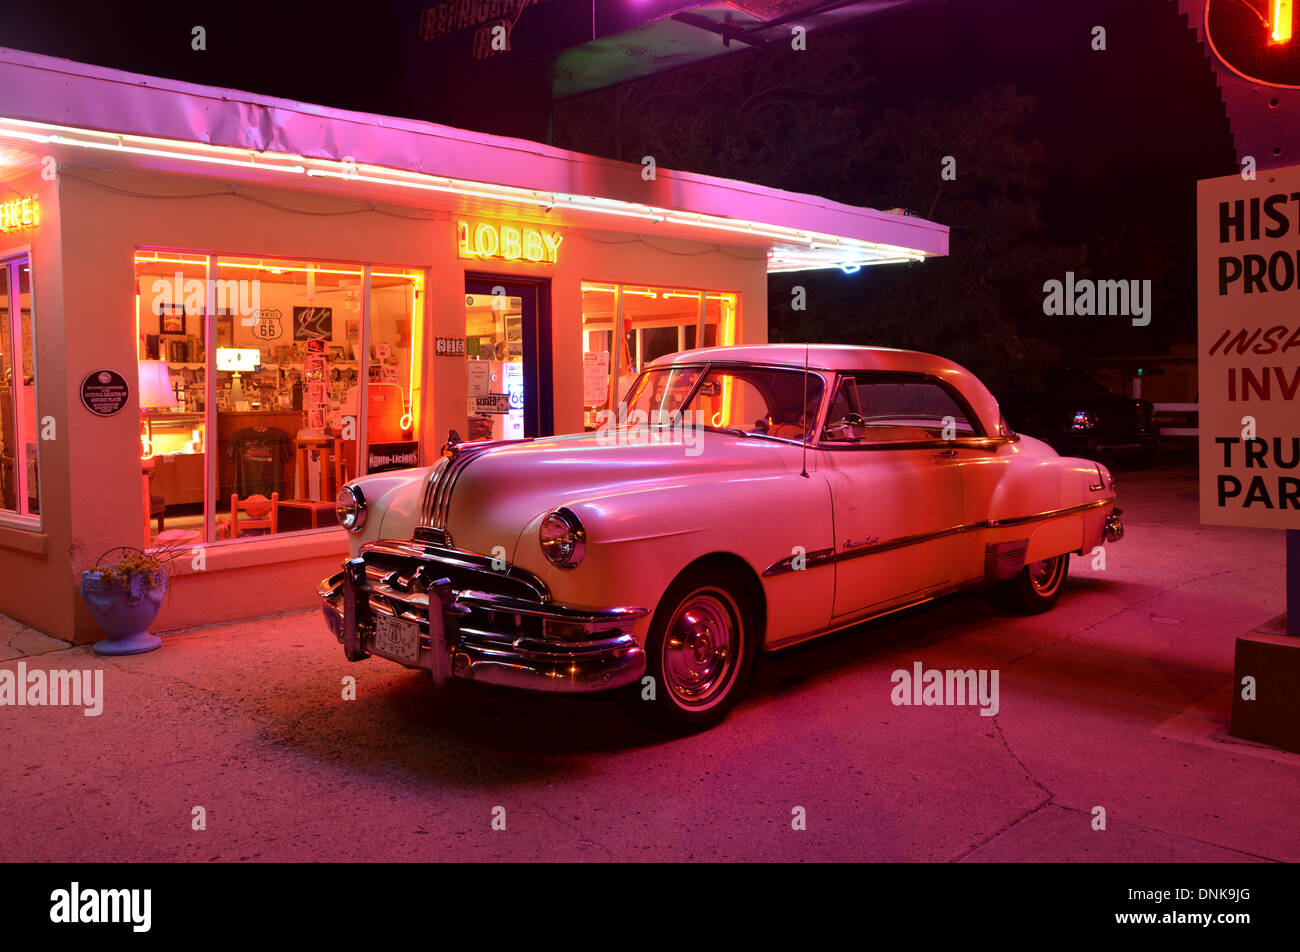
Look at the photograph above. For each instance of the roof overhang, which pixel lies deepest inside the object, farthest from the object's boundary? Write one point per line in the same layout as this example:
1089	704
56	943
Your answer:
87	115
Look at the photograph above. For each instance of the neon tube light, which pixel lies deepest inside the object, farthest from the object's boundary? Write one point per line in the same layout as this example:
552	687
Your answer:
839	251
275	269
1282	14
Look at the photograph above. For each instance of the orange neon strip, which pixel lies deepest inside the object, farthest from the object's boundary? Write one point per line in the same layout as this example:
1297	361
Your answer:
277	269
1281	25
417	348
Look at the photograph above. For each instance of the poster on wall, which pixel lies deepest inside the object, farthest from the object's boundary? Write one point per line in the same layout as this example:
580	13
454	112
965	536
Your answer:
1248	279
479	374
313	322
595	378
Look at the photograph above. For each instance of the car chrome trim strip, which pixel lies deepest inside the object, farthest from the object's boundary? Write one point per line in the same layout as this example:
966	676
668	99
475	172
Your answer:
828	556
810	560
1050	514
427	552
436	501
959	442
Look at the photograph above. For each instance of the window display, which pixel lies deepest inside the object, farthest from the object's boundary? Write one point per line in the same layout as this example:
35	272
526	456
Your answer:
171	296
292	366
654	321
19	472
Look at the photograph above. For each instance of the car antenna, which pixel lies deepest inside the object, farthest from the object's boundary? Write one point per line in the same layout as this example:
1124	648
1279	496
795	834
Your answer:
804	471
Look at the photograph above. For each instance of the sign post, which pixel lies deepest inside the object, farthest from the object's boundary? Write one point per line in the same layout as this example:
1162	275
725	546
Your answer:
1293	582
1248	289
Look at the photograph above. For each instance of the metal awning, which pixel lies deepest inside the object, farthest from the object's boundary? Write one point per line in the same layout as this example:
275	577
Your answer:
93	116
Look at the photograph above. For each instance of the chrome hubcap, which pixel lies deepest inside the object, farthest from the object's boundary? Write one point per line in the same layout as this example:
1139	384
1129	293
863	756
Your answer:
702	647
1045	575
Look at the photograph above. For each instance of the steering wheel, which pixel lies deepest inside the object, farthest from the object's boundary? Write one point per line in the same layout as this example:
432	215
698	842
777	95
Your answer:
840	429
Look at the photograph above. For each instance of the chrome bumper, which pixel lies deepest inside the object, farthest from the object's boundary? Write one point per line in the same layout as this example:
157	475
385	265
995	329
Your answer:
478	623
1114	530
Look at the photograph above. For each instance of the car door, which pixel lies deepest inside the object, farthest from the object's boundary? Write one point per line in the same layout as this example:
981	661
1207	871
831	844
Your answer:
896	491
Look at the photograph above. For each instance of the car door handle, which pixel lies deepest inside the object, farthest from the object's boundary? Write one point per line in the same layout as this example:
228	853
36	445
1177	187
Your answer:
945	454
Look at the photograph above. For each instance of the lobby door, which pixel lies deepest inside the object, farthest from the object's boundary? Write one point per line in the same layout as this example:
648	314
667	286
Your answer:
508	357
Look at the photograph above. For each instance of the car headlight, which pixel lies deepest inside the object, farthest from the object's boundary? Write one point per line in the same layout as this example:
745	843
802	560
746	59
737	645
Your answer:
351	507
563	539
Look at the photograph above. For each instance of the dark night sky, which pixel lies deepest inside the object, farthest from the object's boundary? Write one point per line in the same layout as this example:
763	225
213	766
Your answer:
1127	131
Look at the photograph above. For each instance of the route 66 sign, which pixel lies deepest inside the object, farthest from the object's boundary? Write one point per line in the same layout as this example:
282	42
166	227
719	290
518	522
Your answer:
267	324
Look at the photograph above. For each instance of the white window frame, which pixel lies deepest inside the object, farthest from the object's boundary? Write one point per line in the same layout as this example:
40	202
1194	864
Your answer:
419	313
22	518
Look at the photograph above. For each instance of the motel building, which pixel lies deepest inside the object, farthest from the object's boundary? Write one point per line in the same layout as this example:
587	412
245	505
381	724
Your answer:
208	296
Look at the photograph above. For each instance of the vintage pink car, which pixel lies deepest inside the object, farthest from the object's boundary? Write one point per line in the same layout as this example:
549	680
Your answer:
749	498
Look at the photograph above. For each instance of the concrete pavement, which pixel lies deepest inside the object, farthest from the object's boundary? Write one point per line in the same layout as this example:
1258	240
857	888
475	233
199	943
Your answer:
1117	699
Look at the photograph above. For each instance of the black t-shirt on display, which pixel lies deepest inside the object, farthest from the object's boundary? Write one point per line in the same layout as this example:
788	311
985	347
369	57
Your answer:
259	454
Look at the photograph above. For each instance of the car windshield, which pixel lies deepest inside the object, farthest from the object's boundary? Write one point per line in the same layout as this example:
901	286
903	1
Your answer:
758	401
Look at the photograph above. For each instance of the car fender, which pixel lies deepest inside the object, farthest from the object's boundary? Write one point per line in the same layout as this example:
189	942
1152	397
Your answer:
393	505
1055	504
638	543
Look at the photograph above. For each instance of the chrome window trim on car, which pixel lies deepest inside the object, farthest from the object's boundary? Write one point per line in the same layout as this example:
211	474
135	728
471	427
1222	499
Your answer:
825	375
978	440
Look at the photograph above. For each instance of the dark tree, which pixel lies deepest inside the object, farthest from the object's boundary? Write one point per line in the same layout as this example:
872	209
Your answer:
804	121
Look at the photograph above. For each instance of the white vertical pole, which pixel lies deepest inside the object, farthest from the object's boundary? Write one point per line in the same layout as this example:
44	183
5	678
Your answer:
211	425
363	379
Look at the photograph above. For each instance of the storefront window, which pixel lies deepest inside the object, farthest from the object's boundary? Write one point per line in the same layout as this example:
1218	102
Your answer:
654	321
292	362
19	454
171	300
393	372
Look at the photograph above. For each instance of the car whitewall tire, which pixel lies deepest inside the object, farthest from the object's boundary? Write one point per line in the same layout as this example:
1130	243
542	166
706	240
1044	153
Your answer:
700	653
1037	587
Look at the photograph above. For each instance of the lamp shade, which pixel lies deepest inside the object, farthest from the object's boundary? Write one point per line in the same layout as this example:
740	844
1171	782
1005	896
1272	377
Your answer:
155	385
238	358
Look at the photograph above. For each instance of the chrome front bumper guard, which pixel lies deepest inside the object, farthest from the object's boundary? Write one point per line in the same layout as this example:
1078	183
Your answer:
1114	529
520	642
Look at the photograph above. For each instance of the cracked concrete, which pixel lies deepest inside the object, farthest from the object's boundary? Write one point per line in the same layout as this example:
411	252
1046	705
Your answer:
1117	699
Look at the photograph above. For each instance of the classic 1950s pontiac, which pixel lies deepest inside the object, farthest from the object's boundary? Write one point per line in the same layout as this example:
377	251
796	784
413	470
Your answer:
750	498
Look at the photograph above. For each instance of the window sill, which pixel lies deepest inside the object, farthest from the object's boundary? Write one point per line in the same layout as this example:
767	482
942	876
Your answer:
22	533
249	553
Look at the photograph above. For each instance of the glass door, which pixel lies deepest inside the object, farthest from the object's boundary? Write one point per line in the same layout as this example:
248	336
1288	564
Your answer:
508	358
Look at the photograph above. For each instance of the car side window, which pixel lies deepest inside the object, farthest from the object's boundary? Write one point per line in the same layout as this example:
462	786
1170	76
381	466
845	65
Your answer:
759	400
891	409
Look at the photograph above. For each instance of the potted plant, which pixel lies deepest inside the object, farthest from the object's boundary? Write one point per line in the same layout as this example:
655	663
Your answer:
124	596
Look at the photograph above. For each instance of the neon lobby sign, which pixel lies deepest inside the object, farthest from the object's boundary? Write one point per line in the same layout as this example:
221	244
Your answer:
23	214
508	242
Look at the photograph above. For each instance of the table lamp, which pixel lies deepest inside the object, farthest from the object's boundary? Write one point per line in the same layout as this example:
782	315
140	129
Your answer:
155	394
235	360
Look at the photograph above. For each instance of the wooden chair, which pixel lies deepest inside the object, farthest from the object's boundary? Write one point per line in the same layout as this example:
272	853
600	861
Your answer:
232	526
157	504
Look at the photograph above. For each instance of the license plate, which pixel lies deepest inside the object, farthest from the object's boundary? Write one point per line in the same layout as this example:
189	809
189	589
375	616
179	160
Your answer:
397	639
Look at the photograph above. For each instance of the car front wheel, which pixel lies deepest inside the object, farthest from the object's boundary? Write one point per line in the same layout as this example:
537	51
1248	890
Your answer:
1037	587
699	654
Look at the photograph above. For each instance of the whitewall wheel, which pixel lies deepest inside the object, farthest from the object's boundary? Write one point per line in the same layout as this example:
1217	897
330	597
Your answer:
1037	587
700	652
